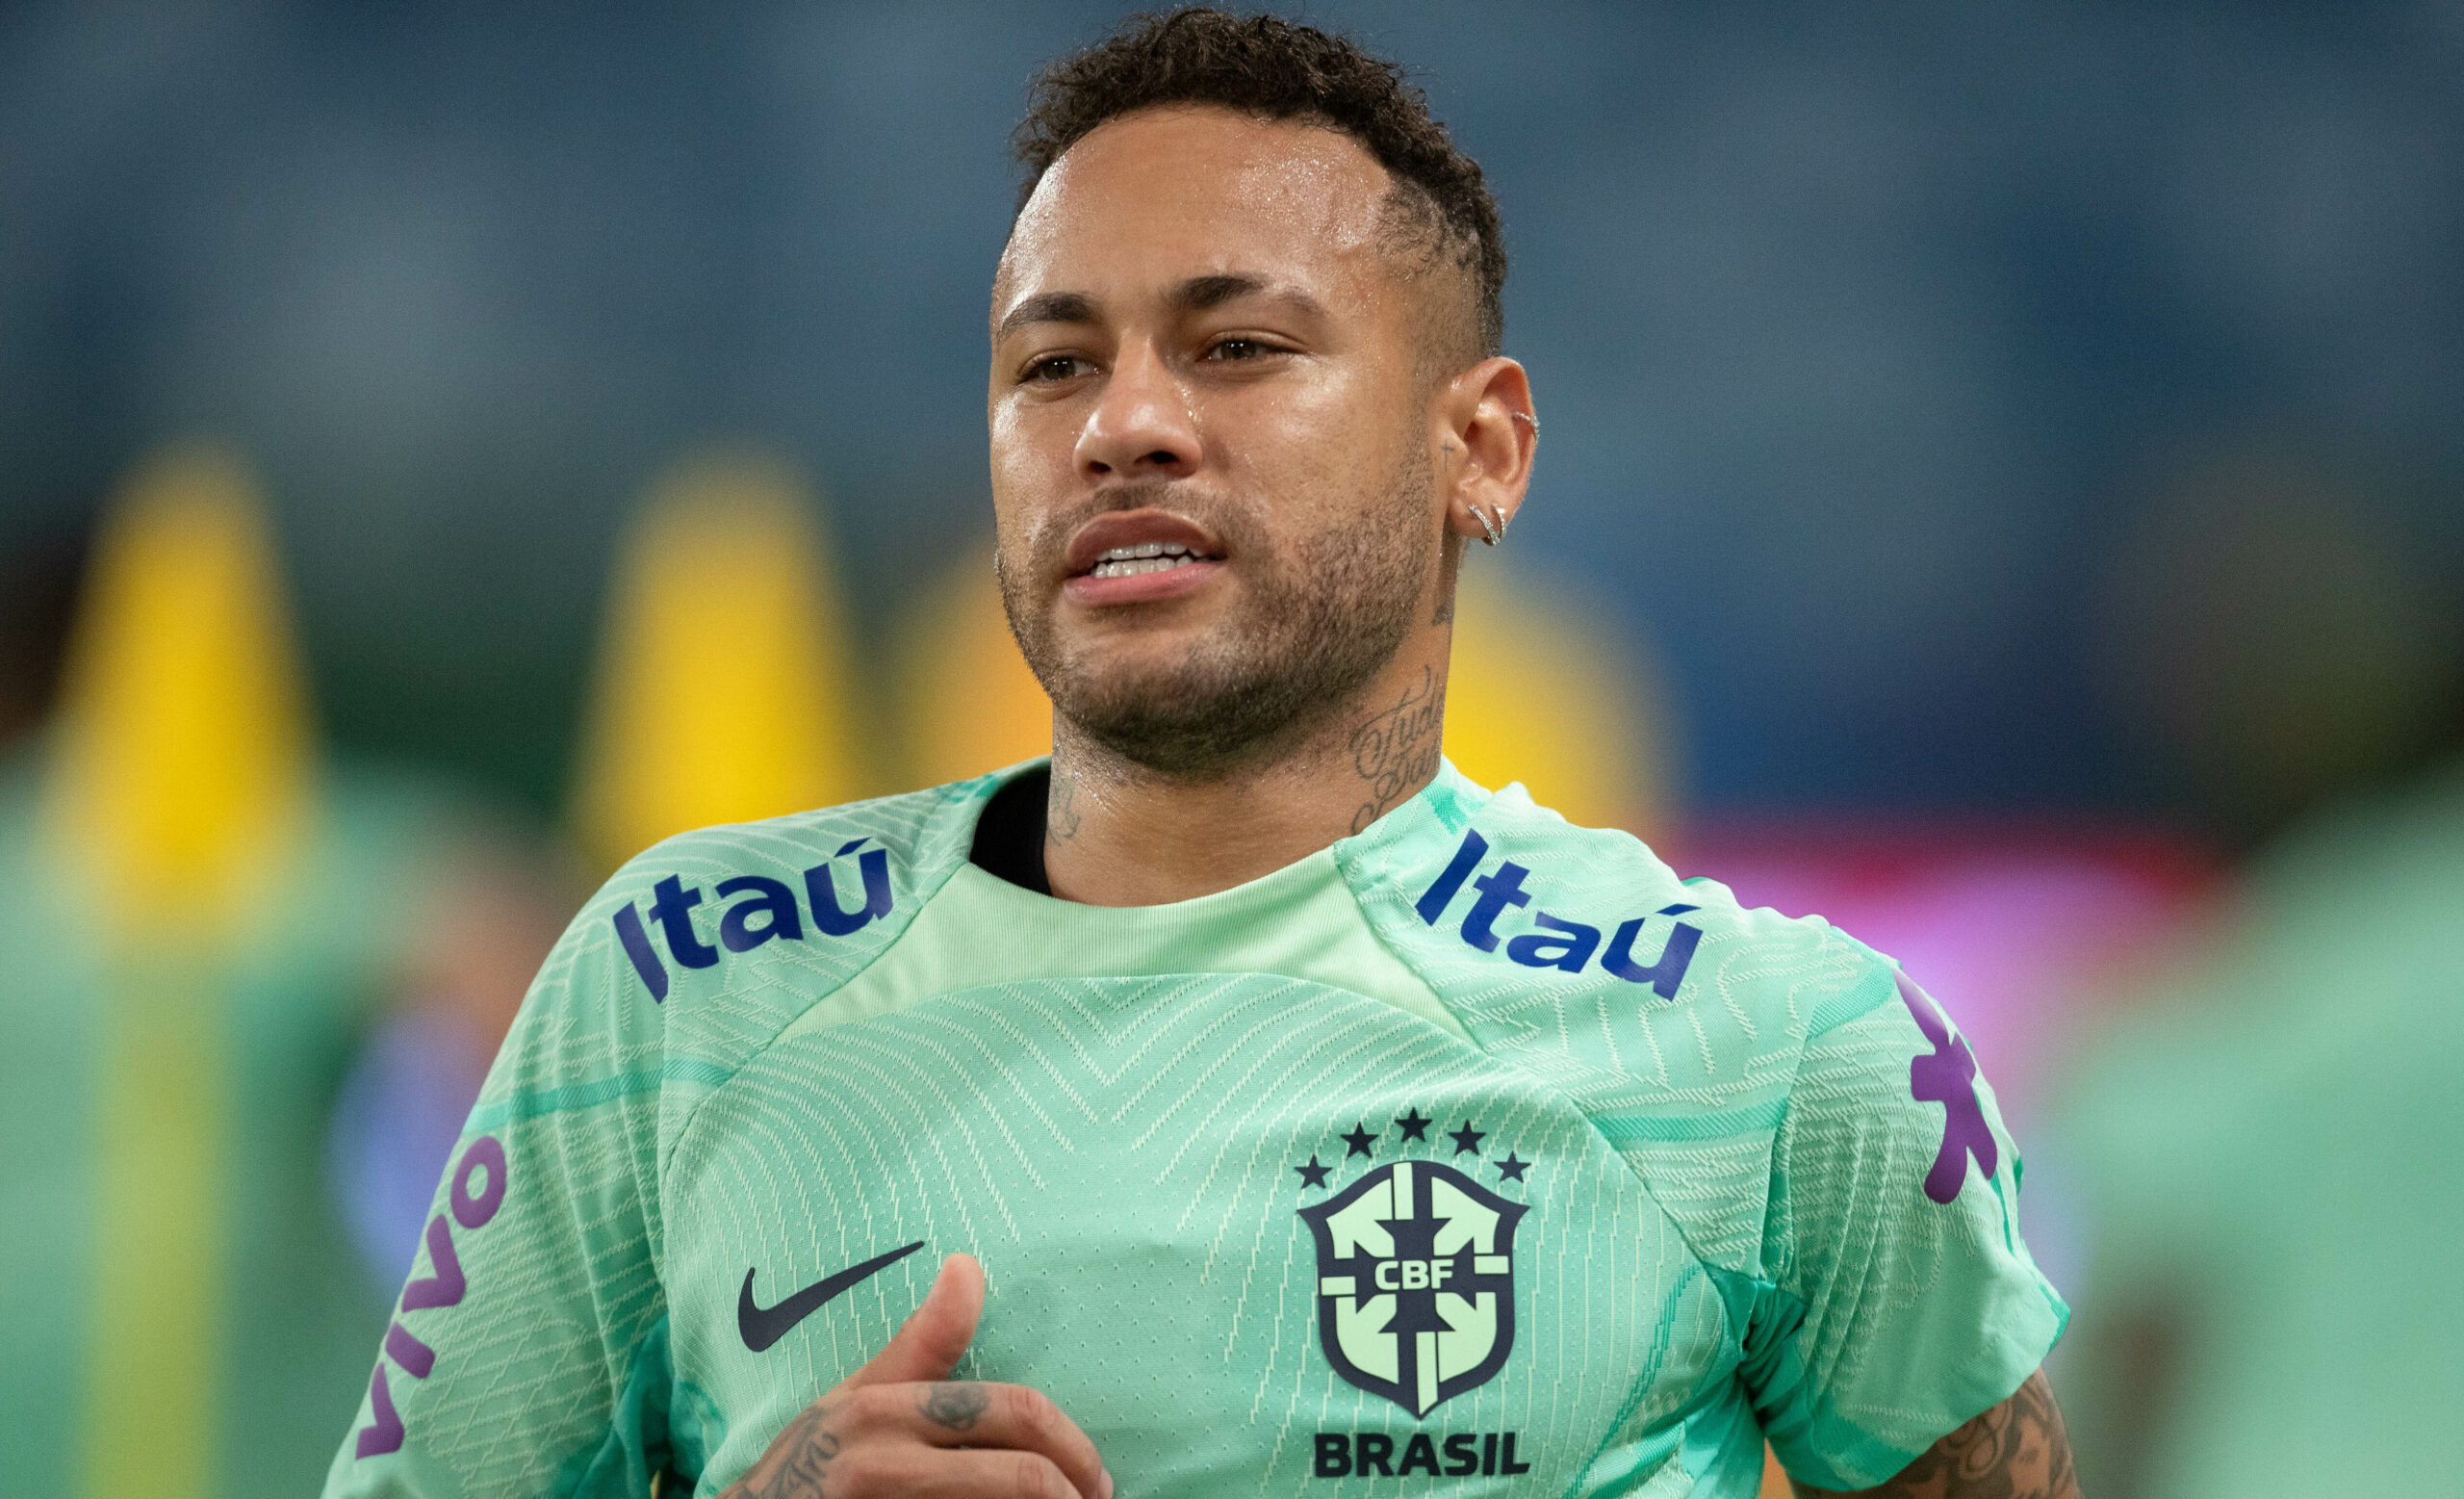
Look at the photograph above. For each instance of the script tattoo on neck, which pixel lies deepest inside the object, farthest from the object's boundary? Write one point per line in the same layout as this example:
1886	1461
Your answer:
796	1463
1061	810
1396	751
956	1406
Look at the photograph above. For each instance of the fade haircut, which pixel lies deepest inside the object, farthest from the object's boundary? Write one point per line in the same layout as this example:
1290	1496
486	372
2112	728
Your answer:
1440	209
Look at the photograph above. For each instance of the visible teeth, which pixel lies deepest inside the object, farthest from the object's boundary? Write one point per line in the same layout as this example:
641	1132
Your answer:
1144	556
1131	561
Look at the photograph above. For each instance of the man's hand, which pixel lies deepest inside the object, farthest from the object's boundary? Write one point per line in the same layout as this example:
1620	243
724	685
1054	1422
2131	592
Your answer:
899	1426
2017	1450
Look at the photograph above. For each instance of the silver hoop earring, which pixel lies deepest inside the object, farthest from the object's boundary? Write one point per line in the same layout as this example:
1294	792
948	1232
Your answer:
1533	423
1496	531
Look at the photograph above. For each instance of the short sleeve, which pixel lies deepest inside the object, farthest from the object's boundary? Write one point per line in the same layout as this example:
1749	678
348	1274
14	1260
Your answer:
1902	1301
526	1351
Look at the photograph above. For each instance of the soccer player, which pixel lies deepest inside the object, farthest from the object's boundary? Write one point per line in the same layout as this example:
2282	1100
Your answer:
1283	1111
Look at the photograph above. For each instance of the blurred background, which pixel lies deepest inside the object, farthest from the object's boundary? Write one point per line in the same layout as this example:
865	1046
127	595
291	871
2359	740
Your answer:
2003	492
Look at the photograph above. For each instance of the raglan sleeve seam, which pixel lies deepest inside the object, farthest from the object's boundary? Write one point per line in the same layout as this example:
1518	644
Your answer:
734	1069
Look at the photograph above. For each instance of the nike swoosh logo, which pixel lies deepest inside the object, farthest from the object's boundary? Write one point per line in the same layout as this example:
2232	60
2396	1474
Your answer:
763	1326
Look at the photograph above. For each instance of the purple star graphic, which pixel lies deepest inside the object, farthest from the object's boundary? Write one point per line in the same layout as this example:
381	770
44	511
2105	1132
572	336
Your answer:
1947	1076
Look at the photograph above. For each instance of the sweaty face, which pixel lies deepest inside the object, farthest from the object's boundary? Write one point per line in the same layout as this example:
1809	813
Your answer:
1211	468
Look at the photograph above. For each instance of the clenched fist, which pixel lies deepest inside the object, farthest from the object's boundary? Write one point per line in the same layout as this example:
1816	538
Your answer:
900	1427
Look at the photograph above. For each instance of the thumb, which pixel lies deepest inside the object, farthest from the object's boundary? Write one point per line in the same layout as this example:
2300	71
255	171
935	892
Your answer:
927	1344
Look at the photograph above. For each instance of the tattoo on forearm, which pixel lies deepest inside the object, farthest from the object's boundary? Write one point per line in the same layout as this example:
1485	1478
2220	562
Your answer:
956	1406
796	1464
2017	1450
1396	750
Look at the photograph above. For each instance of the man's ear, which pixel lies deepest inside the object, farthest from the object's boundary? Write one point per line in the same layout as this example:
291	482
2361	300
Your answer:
1488	436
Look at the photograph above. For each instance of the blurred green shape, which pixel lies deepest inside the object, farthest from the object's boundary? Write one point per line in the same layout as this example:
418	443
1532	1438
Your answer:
2271	1161
198	922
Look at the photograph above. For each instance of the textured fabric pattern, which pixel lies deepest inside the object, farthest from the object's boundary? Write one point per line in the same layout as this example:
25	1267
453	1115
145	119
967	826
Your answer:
1894	1289
1118	1152
1668	1148
1769	1108
544	1336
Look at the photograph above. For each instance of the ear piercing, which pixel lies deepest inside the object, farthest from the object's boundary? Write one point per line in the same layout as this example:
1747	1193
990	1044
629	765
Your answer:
1496	524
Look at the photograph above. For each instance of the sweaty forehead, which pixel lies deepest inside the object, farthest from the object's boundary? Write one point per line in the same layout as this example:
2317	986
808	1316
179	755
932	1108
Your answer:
1154	197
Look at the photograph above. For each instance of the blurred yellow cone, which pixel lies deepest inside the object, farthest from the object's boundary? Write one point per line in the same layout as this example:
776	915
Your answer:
725	688
1539	694
180	785
184	746
968	702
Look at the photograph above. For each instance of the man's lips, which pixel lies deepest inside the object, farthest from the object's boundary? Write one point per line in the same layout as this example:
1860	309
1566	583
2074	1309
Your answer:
1120	529
1132	556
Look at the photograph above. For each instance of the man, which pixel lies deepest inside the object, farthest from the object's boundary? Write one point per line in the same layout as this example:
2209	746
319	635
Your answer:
1284	1111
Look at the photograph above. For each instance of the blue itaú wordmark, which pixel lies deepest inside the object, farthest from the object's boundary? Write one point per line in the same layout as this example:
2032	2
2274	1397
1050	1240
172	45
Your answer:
768	912
1558	943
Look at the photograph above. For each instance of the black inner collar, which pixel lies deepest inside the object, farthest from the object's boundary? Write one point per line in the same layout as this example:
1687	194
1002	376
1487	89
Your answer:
1008	836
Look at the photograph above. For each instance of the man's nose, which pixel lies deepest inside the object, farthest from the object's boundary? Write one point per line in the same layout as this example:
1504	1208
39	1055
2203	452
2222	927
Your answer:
1140	426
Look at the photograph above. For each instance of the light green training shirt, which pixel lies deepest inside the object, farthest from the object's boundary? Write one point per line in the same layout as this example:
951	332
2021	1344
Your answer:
1476	1151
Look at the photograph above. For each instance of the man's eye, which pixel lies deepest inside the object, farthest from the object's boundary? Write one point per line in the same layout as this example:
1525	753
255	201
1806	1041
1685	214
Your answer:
1059	366
1238	348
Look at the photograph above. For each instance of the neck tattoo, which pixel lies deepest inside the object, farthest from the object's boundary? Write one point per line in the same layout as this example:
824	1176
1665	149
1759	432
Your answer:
1396	751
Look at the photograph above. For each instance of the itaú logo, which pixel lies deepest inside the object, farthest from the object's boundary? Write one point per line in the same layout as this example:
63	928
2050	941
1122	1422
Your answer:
1416	1282
1555	942
760	910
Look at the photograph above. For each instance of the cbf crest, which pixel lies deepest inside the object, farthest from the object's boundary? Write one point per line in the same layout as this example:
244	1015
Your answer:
1415	1280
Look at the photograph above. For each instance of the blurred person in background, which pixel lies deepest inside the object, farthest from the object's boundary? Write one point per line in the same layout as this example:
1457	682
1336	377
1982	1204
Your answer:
2268	1144
248	996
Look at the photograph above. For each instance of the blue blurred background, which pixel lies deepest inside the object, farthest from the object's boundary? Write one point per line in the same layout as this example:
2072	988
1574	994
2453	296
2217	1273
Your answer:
2012	458
1876	346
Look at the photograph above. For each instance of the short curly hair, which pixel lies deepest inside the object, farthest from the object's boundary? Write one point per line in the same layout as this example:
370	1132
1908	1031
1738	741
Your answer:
1267	67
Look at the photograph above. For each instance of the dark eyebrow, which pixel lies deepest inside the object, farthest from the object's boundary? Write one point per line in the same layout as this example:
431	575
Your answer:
1048	307
1197	294
1200	293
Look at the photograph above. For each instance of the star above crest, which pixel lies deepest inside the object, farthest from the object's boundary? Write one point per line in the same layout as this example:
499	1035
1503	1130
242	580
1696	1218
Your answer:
1415	1127
1313	1175
1509	1169
1467	1138
1360	1140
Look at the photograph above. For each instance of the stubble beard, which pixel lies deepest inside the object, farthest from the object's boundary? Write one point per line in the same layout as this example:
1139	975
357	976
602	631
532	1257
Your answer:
1319	615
